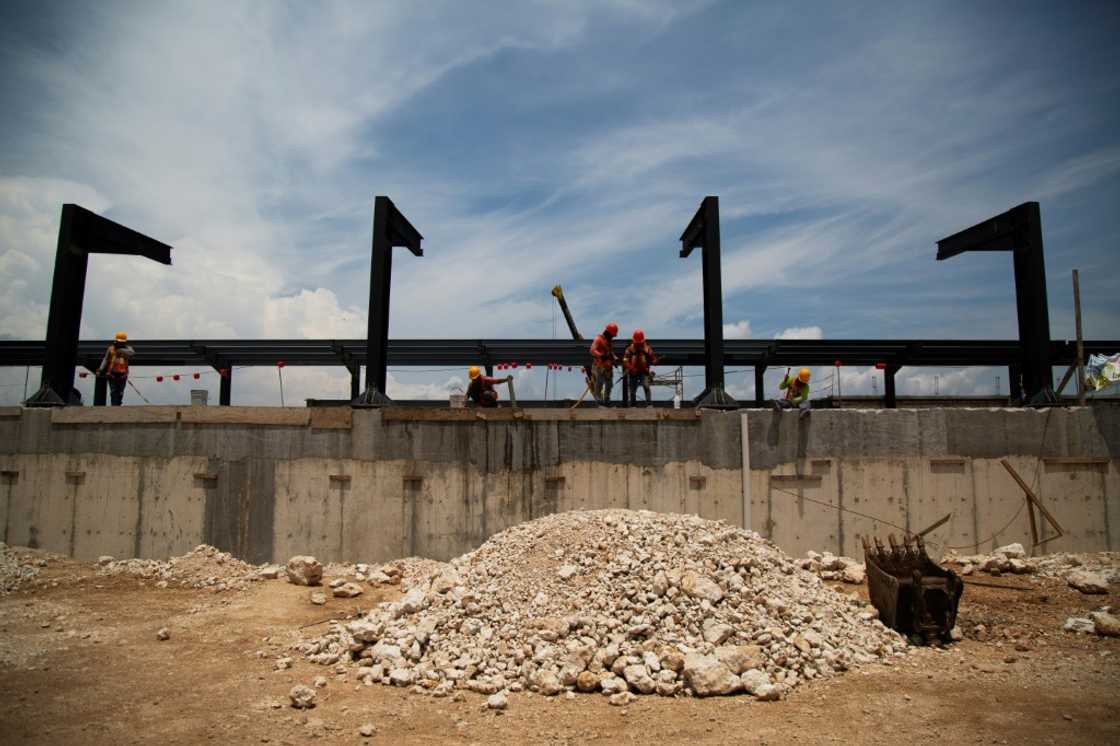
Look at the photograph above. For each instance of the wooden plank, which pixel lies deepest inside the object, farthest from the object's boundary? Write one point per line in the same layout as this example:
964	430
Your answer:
113	415
332	418
280	416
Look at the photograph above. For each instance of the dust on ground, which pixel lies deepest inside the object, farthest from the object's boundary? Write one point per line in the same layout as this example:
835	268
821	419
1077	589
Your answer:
81	663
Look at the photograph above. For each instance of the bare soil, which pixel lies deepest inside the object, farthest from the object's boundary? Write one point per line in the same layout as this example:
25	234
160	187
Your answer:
80	663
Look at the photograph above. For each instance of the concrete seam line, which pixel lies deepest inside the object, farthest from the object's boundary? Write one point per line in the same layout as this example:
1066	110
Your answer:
745	444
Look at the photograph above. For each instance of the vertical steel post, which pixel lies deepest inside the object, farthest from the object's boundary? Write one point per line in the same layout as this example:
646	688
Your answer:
890	400
703	232
100	390
1032	307
759	385
225	387
1080	344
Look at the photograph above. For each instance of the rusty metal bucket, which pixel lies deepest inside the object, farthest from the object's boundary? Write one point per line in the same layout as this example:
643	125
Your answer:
913	595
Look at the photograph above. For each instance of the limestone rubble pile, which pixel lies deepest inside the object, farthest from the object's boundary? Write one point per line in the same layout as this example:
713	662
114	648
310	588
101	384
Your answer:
203	567
1104	567
17	567
614	602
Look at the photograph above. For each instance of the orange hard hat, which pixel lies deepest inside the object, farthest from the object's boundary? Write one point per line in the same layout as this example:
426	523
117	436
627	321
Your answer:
612	329
803	375
639	336
121	337
473	372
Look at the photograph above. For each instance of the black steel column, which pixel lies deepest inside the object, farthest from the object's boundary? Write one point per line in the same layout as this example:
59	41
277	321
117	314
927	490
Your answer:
390	229
1019	230
80	233
1015	383
703	232
759	385
890	401
225	387
355	380
100	390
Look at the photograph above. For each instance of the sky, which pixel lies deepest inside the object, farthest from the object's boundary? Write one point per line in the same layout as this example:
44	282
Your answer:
536	143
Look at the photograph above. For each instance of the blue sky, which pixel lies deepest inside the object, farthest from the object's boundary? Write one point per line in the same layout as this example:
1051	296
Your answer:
543	143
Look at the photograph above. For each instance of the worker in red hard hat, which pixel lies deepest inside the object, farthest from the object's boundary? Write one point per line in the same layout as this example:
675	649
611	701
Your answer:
114	366
481	388
797	392
602	367
638	361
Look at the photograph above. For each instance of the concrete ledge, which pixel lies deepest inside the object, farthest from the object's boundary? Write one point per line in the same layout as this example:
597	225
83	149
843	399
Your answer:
332	418
286	416
113	415
11	412
508	414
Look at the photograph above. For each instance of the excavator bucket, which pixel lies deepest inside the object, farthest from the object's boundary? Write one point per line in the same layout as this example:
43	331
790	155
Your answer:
913	595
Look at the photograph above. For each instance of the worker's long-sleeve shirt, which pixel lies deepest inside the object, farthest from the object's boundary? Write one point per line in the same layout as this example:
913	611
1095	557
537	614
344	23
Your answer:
797	391
116	360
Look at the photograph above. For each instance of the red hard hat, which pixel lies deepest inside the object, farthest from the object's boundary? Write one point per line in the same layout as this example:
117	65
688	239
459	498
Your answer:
612	329
639	336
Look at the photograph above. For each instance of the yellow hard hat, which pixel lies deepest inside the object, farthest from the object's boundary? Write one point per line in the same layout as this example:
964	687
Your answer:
803	375
122	337
474	372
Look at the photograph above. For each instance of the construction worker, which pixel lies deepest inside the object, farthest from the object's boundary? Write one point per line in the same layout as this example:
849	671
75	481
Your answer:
602	367
115	366
637	361
797	392
481	388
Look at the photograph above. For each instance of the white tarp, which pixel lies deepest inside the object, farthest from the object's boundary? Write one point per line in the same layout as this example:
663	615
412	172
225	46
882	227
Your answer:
1102	371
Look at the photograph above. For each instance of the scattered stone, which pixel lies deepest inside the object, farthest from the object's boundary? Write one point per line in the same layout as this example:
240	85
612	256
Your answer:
1012	551
1079	624
1105	624
320	682
163	634
1087	582
318	598
269	572
497	701
347	590
283	664
707	676
622	699
567	571
303	697
853	574
366	730
304	570
104	560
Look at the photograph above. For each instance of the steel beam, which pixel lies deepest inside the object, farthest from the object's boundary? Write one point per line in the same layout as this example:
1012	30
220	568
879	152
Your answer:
703	233
390	229
1019	230
80	233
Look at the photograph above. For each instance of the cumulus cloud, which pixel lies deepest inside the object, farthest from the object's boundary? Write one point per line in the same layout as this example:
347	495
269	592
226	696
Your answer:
800	332
737	330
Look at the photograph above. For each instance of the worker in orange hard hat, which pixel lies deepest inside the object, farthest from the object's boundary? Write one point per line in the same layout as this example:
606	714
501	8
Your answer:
638	361
603	360
797	392
481	388
115	366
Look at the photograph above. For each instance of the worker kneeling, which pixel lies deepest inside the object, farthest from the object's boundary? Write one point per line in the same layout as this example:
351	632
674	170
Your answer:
797	392
637	361
481	388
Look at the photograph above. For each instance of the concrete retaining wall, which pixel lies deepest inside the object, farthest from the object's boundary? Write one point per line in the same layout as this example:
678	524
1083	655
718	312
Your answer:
367	485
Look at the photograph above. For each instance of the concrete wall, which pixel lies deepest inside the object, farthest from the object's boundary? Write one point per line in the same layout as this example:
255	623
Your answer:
368	485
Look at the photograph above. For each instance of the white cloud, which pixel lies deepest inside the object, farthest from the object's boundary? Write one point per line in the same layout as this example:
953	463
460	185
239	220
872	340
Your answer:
800	332
737	330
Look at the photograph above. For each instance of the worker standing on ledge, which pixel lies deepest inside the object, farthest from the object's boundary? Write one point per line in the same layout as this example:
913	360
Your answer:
602	368
797	392
115	366
481	388
637	361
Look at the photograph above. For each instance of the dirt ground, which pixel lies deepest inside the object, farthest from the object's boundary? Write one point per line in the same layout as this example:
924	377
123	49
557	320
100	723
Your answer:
80	663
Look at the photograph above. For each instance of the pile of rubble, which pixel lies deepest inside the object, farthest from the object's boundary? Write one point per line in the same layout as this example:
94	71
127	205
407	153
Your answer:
829	566
203	567
617	602
1089	573
17	567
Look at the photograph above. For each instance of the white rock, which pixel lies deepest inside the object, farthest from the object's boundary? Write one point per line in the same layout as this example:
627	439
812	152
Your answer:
567	571
497	701
739	658
163	634
269	572
347	590
104	559
853	573
1079	624
700	586
547	683
768	693
638	678
612	684
717	633
366	730
621	699
706	676
1088	582
753	679
320	682
303	697
304	570
1012	551
401	677
445	581
1105	624
413	601
318	598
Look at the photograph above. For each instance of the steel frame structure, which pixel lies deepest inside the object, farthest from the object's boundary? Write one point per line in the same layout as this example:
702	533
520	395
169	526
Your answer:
758	354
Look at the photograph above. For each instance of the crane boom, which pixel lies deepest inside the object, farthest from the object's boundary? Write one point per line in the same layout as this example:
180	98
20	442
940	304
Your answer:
559	294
